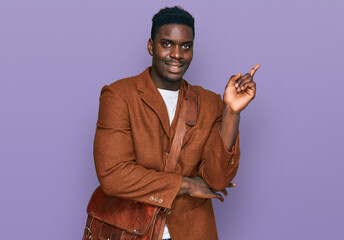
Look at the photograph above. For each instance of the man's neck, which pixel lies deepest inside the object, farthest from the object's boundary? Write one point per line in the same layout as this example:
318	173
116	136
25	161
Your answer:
164	83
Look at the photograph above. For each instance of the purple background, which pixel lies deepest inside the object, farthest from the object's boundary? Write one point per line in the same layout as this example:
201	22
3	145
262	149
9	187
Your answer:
56	55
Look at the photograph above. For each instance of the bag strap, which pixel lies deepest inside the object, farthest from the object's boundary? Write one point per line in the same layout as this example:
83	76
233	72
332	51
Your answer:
187	116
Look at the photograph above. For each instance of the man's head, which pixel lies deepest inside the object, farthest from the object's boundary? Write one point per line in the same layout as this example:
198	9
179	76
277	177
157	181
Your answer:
171	46
172	15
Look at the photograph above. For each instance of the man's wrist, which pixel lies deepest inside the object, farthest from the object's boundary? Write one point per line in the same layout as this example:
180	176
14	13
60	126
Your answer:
228	112
185	186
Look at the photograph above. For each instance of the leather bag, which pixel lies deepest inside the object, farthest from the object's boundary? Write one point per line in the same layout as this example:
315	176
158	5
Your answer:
114	218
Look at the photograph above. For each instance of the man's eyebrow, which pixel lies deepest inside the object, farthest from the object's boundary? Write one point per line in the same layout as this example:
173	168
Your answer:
188	42
169	40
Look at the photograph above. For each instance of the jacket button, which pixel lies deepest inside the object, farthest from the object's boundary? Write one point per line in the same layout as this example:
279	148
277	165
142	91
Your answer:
160	200
156	200
167	153
151	198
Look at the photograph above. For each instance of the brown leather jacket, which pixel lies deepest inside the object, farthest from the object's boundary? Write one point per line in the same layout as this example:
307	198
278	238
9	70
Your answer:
133	138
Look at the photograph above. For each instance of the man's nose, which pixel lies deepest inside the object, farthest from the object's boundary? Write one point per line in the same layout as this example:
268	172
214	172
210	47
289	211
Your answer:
176	52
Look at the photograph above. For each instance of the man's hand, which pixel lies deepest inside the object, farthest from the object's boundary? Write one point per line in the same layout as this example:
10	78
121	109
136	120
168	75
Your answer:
240	91
196	187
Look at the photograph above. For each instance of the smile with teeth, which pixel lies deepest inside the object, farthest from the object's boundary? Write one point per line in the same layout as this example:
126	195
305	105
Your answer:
174	68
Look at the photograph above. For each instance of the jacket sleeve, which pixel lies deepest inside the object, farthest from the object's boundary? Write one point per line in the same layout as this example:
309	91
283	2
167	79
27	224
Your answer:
219	166
114	157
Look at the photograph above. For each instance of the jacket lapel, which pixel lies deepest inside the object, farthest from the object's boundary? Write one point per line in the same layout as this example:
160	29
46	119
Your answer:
151	96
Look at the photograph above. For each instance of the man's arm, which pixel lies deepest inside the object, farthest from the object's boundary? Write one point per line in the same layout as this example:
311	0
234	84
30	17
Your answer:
239	92
219	166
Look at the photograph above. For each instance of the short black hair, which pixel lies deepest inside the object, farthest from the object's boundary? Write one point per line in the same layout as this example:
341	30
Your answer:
170	15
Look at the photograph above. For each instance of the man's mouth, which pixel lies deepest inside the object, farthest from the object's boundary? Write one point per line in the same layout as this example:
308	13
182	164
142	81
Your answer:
174	67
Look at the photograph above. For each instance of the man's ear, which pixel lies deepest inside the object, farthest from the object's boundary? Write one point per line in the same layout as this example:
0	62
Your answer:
150	46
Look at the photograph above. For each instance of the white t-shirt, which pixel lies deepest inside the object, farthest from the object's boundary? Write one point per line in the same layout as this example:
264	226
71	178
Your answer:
171	99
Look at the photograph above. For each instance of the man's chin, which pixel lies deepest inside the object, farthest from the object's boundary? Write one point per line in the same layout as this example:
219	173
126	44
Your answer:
174	77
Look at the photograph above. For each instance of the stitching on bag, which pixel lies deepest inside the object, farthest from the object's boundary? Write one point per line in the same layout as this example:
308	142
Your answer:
122	235
154	215
88	232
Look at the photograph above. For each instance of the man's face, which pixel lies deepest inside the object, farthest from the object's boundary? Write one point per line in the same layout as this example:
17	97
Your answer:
172	51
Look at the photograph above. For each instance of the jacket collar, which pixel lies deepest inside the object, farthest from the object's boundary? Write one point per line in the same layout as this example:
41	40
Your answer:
150	95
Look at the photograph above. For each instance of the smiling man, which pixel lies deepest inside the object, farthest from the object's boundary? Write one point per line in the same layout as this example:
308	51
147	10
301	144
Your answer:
137	123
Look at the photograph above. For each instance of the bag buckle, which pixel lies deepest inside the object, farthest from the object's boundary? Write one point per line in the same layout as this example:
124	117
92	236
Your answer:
88	233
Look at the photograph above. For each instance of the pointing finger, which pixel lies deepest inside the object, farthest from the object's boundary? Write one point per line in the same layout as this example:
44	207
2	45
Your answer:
254	69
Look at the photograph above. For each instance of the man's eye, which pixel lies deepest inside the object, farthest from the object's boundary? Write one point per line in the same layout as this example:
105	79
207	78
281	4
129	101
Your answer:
166	44
186	46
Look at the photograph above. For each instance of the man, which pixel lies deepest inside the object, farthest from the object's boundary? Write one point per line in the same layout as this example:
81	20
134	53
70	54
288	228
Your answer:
137	122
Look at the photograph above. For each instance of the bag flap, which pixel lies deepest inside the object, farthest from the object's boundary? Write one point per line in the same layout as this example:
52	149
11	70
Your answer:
131	216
